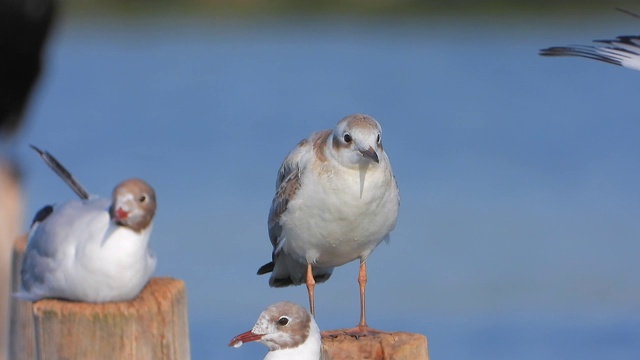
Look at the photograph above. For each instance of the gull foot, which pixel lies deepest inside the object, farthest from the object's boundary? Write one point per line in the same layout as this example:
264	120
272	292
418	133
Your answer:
355	332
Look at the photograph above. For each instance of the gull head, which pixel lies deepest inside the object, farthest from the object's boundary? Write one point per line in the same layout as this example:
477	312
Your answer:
283	325
357	141
133	204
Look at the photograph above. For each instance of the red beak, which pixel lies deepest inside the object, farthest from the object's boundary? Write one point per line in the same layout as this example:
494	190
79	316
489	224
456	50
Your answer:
121	214
245	337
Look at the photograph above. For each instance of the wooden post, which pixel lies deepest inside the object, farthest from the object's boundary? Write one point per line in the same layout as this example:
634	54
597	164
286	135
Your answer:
385	346
11	209
21	335
152	326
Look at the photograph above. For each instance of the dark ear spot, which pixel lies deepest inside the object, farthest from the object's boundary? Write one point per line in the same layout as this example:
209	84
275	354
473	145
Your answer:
42	214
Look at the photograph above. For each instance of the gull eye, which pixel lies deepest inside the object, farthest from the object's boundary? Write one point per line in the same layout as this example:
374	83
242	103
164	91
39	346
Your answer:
347	138
283	321
378	139
143	198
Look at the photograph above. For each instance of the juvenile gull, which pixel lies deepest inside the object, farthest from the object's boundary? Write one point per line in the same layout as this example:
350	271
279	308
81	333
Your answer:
336	200
93	249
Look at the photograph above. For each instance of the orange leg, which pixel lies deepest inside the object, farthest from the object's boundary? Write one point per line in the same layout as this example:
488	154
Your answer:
311	284
362	281
362	329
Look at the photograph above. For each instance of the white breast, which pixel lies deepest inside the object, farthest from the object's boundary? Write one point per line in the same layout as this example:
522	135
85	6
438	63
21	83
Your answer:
333	220
309	350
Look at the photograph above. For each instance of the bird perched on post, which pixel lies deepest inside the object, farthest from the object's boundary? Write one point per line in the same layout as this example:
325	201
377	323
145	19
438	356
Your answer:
93	249
287	330
336	201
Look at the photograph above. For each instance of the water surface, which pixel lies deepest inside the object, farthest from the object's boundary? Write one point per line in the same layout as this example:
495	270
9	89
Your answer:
518	232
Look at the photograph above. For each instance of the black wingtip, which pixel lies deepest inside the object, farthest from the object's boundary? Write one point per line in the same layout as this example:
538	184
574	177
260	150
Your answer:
624	11
64	174
545	52
42	214
266	268
555	51
40	152
588	52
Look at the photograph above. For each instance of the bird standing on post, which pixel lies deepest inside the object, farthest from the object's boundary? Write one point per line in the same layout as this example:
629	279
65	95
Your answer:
336	201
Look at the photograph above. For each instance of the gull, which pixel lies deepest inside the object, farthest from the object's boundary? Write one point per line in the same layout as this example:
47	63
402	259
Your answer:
92	249
336	200
288	330
622	51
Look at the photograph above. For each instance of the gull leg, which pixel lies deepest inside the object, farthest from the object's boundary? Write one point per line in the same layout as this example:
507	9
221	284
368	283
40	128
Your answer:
311	284
362	329
362	281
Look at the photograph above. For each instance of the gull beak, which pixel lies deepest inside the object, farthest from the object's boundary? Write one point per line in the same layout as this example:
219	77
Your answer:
244	338
121	214
124	208
371	154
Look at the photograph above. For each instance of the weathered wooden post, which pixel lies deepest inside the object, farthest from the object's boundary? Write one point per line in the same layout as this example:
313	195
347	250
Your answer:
11	209
152	326
385	346
21	335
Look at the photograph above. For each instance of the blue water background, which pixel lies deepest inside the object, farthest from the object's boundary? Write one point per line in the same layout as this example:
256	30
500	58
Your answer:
518	236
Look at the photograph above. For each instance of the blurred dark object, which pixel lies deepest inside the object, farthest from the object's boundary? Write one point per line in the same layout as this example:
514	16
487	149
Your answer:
24	25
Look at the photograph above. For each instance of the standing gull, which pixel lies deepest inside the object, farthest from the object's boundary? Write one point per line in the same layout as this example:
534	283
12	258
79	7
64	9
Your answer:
93	249
336	200
287	330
